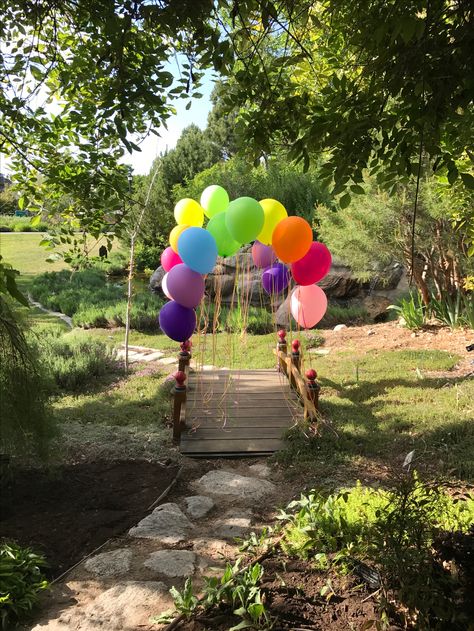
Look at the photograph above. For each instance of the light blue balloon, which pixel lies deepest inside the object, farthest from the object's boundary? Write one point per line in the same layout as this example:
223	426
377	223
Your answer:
197	249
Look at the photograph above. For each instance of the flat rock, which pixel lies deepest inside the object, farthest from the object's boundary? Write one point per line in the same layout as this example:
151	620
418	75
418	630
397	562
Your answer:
113	563
172	562
129	606
198	505
233	524
260	469
220	482
124	607
167	524
340	327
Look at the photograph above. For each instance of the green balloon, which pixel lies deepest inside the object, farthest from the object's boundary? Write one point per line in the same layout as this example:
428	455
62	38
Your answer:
214	200
226	246
244	219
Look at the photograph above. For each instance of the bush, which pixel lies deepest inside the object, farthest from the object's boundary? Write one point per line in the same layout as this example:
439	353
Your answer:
21	581
412	311
394	530
26	422
351	314
72	361
147	256
11	223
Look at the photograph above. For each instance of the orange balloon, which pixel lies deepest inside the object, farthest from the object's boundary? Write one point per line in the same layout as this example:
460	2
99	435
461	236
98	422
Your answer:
292	239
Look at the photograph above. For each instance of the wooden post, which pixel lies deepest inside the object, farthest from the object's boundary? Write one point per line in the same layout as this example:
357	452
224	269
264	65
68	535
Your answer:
313	387
283	347
179	398
295	360
184	356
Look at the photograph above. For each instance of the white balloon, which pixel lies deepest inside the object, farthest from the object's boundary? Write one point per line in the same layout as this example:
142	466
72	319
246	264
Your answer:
164	286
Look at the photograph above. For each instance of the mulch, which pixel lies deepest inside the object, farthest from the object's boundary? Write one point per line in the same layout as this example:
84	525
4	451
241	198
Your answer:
69	511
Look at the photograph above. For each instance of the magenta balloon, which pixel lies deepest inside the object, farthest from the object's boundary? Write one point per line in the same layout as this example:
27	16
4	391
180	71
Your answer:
313	266
177	322
169	259
185	285
263	255
308	305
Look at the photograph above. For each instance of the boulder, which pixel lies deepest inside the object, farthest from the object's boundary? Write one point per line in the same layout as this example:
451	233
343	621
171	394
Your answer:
376	307
155	281
220	482
340	283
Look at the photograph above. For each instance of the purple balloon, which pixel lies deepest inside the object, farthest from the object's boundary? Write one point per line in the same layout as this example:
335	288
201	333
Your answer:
263	255
176	321
185	285
276	278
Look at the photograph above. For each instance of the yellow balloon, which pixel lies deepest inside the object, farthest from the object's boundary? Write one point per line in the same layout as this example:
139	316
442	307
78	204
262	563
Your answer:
274	213
174	236
189	213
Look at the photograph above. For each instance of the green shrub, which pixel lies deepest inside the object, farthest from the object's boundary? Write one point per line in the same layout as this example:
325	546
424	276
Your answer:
26	423
147	256
448	309
4	228
393	530
351	314
412	310
21	581
23	227
72	361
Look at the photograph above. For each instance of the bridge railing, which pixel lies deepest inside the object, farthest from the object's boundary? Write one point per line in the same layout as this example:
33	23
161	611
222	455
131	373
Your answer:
179	391
290	365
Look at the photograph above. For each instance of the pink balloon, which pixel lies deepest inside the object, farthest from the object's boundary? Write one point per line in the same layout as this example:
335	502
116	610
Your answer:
169	259
308	304
164	286
313	266
263	255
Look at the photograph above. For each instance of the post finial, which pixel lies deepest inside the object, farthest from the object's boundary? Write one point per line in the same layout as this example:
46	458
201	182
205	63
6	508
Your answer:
295	346
311	375
180	378
282	335
186	346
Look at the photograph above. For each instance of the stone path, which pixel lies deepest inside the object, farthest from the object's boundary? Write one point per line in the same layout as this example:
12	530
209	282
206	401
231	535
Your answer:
126	583
56	314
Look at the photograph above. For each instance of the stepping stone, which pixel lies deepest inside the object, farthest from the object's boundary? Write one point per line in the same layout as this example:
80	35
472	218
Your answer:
261	470
198	505
112	563
220	482
167	361
233	525
167	524
125	607
129	605
172	562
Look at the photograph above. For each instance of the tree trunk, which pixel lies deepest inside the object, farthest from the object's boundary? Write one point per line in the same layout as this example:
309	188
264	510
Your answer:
131	265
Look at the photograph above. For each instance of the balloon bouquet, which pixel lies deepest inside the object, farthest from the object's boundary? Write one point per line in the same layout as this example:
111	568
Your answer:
193	252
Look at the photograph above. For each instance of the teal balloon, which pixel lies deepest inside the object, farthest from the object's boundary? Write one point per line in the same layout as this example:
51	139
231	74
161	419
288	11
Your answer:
226	245
197	249
244	219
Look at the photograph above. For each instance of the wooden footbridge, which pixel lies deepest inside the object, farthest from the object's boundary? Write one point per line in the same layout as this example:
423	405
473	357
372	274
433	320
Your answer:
222	412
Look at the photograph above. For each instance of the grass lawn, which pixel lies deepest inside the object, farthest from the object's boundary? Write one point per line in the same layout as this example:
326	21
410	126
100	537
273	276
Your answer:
23	252
384	404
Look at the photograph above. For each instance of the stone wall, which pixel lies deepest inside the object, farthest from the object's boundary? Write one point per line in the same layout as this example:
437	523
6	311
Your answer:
340	286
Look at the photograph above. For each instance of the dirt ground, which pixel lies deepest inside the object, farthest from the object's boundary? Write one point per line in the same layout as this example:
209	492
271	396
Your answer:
69	512
388	336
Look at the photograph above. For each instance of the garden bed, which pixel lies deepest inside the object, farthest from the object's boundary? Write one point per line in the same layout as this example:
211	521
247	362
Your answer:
70	511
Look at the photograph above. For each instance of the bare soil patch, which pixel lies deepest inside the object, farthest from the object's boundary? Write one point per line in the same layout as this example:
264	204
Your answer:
68	512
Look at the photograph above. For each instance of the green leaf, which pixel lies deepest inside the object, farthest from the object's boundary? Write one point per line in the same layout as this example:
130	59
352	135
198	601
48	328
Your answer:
345	201
357	189
35	220
188	105
21	202
468	180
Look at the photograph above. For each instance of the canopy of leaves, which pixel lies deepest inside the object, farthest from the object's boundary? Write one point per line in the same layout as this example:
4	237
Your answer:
376	83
